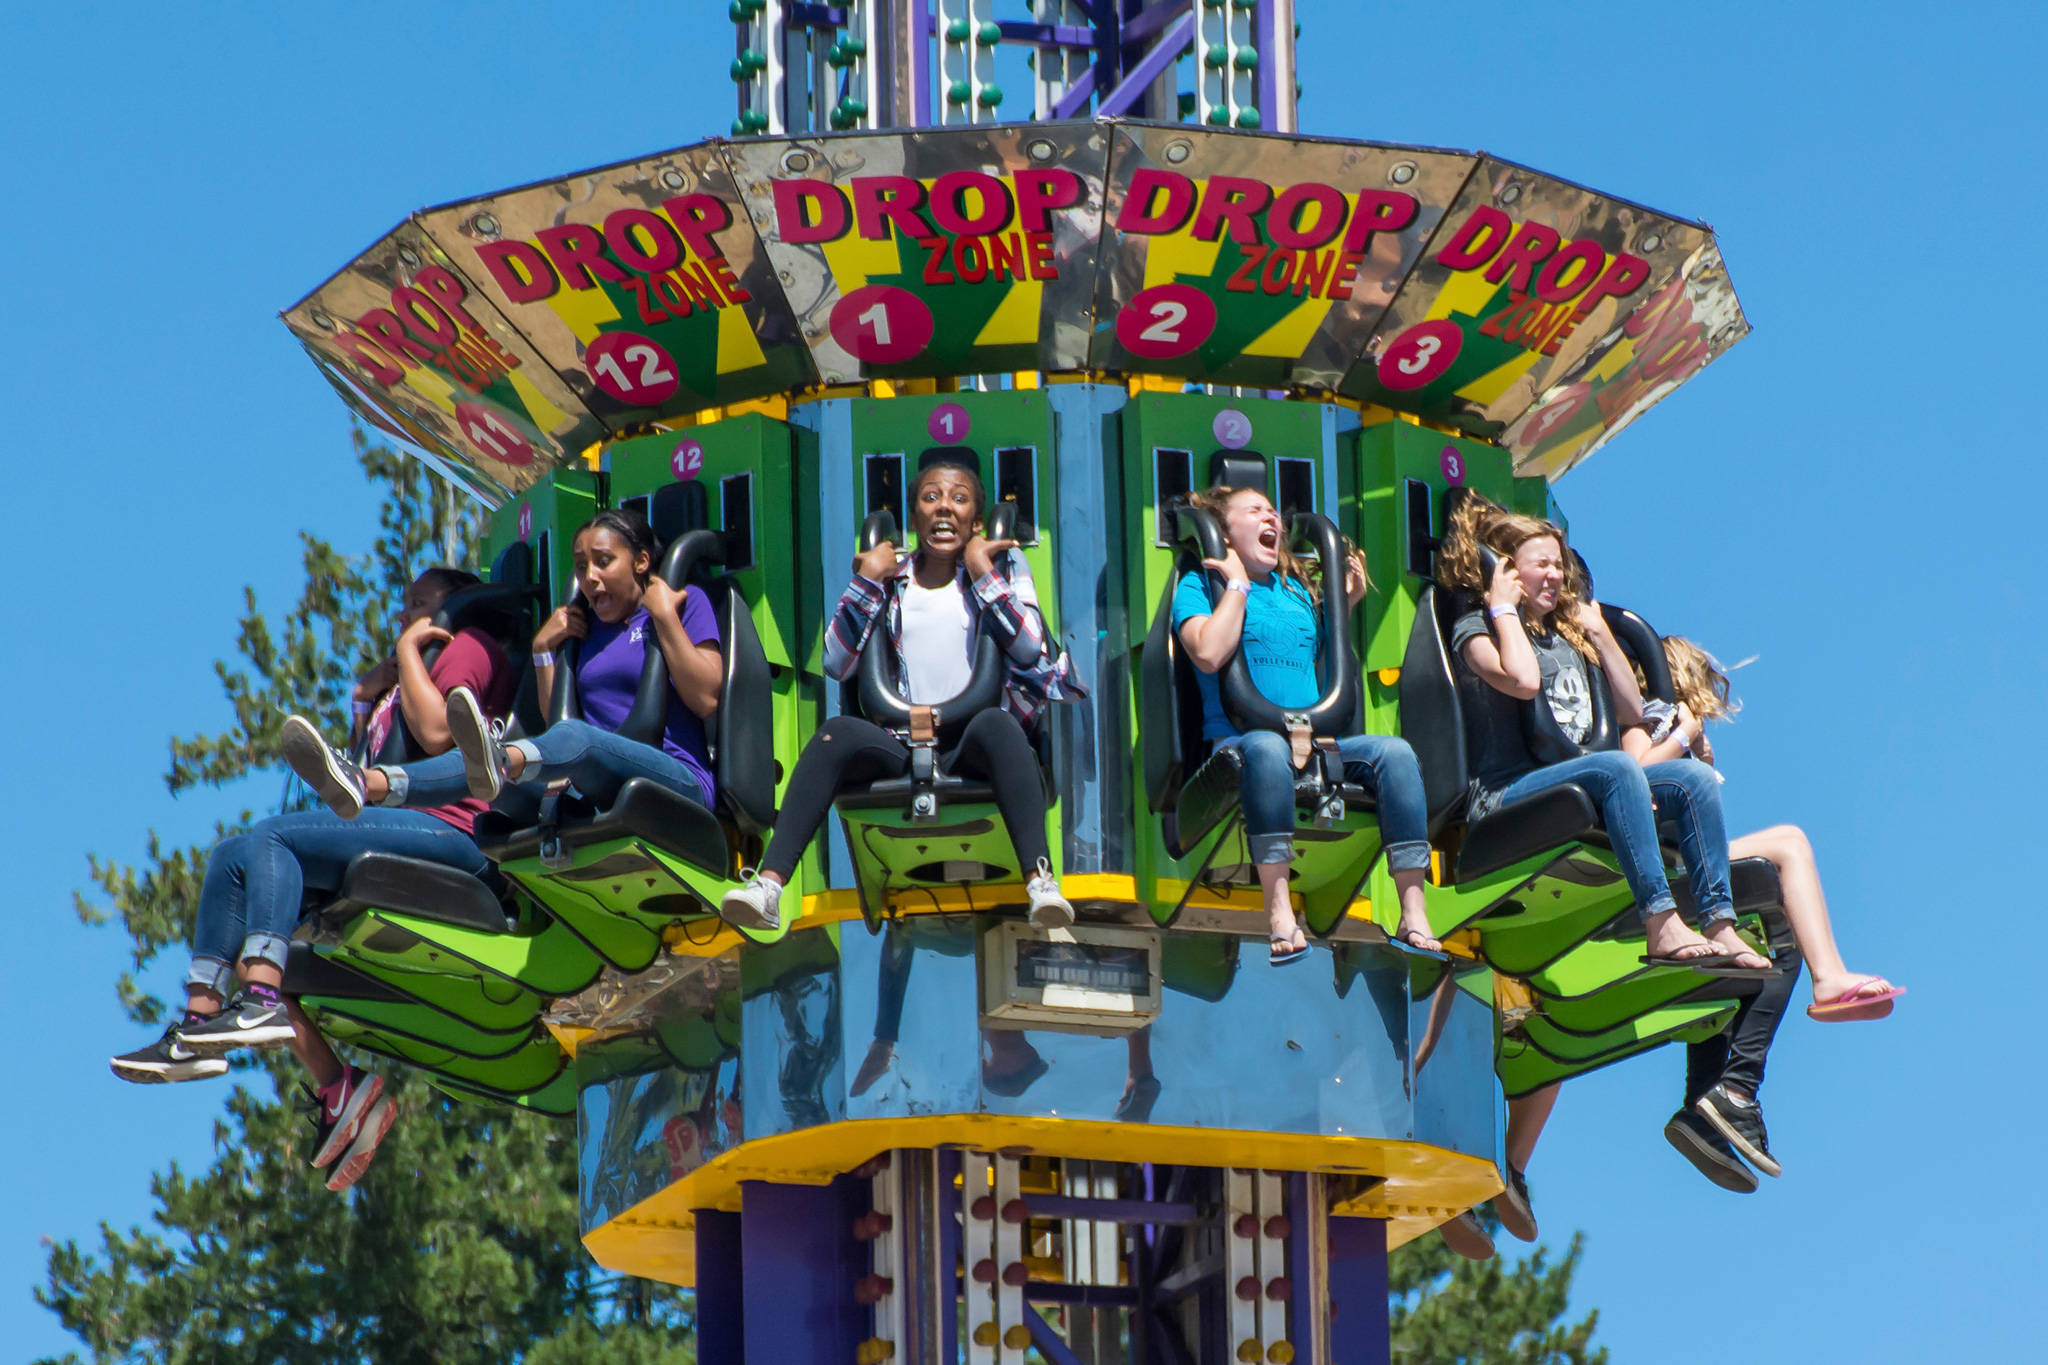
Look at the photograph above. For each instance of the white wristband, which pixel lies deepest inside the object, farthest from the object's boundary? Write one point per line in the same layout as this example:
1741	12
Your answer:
1495	613
1243	585
544	658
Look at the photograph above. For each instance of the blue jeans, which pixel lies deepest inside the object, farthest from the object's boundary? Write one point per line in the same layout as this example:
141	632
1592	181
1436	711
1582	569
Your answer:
1684	791
256	882
1382	764
598	762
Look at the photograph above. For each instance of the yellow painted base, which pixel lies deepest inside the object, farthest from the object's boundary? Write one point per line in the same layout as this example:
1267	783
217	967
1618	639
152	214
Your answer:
1419	1187
837	907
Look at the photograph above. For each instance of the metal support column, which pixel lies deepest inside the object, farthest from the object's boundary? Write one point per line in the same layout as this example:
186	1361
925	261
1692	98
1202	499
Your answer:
721	1300
1359	1324
800	1267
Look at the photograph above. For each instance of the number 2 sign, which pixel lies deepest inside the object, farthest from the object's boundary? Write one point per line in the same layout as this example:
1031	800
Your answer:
632	368
1165	321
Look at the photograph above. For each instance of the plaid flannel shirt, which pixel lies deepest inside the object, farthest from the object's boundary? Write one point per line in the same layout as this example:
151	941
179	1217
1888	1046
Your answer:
1005	602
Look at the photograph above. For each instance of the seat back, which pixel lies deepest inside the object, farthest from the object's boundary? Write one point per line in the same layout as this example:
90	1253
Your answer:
1169	704
1432	720
742	730
875	693
1336	712
503	609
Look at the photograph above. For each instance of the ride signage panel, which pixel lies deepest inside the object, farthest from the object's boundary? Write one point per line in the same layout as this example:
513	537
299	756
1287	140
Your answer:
1241	259
506	334
644	284
1525	279
934	253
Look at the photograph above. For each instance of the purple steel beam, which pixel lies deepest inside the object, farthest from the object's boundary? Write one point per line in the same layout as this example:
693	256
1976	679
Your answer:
808	15
1163	54
1087	1295
1358	1292
1110	1210
800	1264
1149	22
1047	1341
721	1298
1267	38
1076	99
920	69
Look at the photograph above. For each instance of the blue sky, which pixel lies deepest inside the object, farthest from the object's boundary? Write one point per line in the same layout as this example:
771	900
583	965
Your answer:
1850	494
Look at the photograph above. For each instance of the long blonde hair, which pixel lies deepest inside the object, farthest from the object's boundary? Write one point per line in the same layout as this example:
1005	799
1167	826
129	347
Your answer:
1698	680
1215	500
1475	522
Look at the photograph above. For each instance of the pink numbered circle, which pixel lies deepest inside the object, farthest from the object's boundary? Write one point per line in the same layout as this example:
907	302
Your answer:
948	423
1420	355
1233	430
1547	422
525	520
1452	462
879	324
493	436
687	460
632	368
1165	321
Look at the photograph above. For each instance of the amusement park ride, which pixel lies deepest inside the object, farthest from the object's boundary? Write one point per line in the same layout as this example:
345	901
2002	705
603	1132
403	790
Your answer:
907	1126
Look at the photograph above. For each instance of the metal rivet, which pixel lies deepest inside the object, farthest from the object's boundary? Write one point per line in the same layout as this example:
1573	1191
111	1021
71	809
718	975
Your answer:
796	162
674	179
321	320
1652	240
1039	150
1401	172
409	258
1177	151
484	225
1510	192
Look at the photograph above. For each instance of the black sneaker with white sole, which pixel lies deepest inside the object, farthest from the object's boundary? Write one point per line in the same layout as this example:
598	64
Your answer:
1742	1125
334	776
247	1021
167	1059
1513	1207
1701	1144
476	739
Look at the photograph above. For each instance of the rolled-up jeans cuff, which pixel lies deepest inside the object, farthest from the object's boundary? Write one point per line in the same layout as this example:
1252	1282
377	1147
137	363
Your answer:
1410	855
398	783
267	947
1708	917
1270	848
1659	904
211	974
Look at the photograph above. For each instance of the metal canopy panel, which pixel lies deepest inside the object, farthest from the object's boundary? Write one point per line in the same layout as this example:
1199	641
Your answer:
1677	331
1234	258
643	284
934	253
404	329
1522	282
506	334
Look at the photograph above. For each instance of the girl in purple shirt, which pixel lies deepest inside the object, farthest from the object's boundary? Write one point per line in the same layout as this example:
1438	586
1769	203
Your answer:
620	601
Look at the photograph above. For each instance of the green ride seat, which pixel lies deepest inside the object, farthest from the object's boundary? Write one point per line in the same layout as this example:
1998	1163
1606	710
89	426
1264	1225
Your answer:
930	827
523	1066
650	869
1197	790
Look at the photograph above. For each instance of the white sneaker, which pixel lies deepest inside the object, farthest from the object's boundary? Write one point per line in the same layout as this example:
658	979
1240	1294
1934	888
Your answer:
1049	909
753	905
332	776
476	739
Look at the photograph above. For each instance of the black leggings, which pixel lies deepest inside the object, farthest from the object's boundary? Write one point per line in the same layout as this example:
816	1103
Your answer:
1737	1053
850	750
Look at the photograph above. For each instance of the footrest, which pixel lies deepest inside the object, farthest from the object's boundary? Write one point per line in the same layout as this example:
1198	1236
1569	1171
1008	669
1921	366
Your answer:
1547	820
306	972
414	886
644	810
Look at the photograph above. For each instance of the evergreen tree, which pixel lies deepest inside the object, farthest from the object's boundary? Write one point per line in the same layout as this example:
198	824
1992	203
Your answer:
460	1244
1451	1311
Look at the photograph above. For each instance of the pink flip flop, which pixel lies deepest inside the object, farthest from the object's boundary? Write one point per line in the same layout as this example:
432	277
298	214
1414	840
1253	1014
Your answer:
1857	1004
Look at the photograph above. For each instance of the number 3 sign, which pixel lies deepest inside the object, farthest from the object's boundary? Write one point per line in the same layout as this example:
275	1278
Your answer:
1419	356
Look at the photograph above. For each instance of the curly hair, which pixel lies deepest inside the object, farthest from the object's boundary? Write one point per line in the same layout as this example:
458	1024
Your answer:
1698	680
1476	522
1215	500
